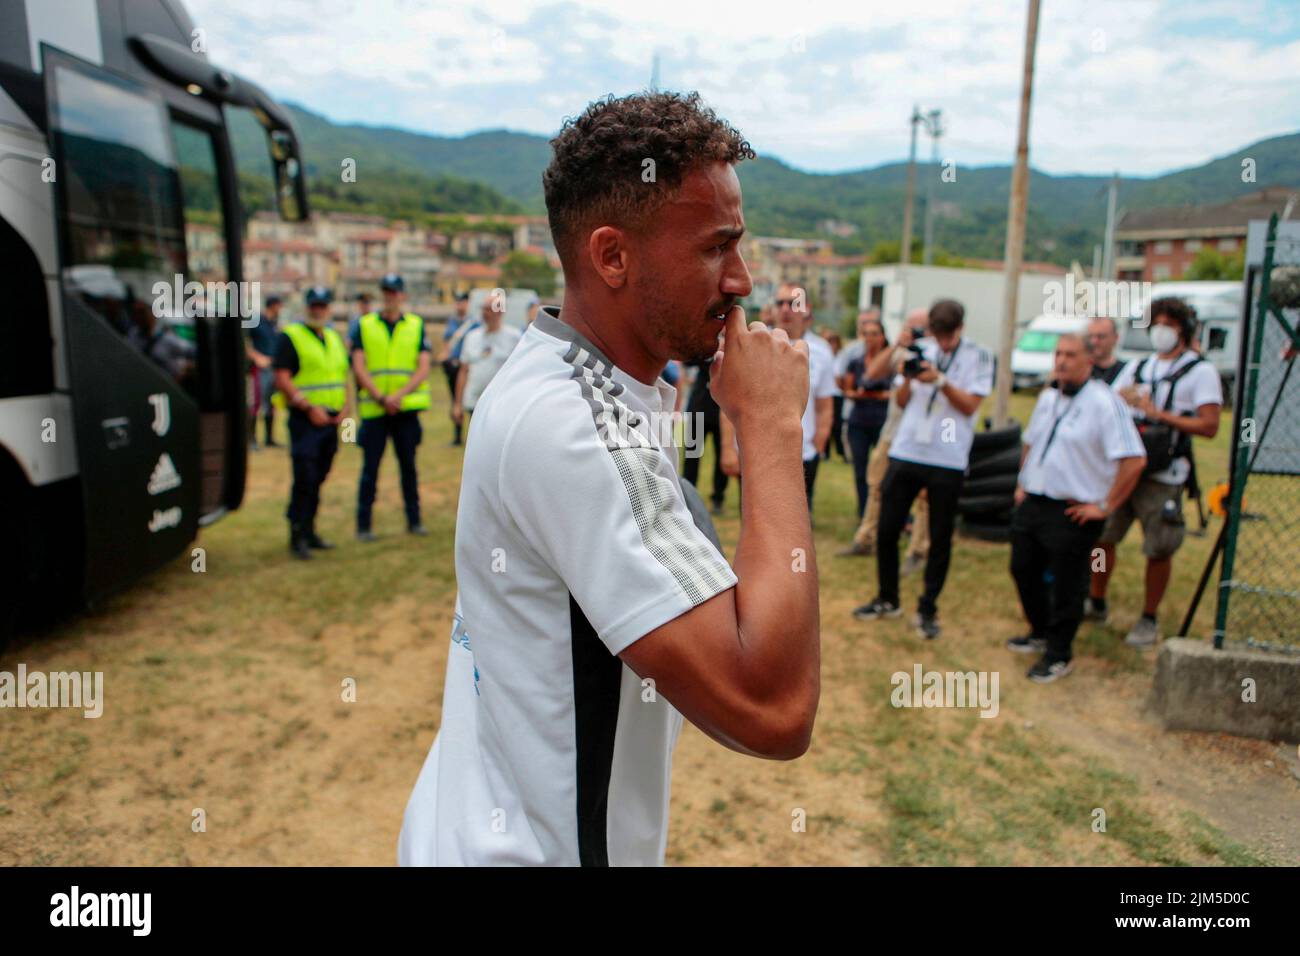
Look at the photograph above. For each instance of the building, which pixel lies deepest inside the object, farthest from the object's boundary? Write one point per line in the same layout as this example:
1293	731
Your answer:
1155	245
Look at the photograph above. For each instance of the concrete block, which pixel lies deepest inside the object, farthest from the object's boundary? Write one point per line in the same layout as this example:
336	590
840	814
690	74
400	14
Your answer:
1240	691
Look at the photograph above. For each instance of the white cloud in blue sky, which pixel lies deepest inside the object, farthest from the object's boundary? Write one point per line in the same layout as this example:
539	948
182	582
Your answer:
1136	85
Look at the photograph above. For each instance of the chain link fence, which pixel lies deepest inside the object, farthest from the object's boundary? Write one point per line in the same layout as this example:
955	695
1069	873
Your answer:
1259	587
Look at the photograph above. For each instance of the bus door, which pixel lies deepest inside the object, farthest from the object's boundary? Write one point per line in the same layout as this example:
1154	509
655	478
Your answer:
136	375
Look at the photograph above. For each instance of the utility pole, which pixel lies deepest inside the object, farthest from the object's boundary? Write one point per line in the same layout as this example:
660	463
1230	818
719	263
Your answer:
1108	244
905	250
934	126
1016	212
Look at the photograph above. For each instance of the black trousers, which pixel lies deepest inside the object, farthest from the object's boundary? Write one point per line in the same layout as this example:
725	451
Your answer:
810	477
837	428
902	483
451	369
311	449
862	438
712	422
405	431
1051	561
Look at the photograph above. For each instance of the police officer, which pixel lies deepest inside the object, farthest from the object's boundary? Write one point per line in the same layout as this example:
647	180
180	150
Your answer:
311	372
391	360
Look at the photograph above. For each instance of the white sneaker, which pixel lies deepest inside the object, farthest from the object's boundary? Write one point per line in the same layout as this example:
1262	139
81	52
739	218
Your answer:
1144	633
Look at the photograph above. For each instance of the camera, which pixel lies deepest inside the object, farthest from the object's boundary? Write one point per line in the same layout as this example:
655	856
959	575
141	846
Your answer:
912	365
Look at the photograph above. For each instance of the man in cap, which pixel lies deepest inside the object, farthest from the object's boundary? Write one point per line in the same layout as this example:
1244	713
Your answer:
453	341
311	374
260	349
391	360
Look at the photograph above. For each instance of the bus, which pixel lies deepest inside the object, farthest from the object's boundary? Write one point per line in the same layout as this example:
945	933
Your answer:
122	404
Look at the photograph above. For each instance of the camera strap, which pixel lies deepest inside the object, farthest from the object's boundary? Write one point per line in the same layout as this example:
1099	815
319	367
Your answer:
943	370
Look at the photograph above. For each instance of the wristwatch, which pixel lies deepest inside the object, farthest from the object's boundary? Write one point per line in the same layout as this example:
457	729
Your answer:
941	381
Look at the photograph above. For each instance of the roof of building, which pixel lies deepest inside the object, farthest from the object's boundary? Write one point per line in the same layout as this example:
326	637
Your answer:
1235	213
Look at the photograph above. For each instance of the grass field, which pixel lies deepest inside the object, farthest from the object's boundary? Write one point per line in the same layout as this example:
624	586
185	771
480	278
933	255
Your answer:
223	693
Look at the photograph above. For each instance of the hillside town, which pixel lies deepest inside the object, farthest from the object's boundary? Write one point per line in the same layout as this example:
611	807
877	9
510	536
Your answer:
350	252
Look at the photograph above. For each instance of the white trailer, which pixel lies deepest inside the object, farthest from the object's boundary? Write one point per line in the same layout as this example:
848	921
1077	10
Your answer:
897	289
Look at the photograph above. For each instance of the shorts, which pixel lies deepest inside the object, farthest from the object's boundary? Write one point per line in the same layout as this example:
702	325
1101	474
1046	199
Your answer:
1160	539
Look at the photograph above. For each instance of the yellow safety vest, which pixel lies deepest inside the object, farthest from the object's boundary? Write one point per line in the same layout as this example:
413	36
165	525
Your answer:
391	360
322	367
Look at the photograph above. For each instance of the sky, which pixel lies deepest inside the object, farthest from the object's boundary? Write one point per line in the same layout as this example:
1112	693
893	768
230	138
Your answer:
1136	86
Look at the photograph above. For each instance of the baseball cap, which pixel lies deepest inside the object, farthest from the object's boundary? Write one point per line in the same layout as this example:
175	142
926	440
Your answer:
392	283
319	295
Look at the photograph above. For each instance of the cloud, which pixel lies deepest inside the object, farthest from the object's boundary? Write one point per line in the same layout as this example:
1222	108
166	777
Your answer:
1134	85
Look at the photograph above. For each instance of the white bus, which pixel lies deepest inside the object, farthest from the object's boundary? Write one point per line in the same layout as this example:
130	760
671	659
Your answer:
122	413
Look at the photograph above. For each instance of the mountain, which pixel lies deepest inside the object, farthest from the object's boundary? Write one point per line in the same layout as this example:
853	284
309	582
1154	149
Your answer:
1066	213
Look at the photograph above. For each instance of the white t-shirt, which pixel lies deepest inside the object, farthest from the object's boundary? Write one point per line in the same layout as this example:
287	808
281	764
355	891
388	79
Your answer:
573	540
931	431
1093	431
821	384
1200	386
484	353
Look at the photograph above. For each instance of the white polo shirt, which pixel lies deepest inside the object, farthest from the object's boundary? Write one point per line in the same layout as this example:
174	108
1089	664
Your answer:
484	353
1200	386
573	540
1075	444
821	384
931	431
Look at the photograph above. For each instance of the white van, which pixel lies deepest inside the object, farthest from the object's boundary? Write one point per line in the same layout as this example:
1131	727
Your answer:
1218	308
1034	357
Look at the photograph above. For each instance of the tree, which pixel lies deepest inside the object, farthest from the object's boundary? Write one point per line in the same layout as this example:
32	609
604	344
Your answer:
1211	264
885	252
527	270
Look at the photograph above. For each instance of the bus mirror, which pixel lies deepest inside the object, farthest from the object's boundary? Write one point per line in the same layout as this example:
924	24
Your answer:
290	187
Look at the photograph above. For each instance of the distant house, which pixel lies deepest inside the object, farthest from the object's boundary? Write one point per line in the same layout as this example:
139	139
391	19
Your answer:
1153	245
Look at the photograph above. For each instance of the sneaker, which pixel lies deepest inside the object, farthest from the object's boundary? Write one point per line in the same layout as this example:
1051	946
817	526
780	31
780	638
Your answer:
417	529
1095	610
1144	633
927	625
365	535
911	564
1044	672
856	550
877	609
1027	644
317	543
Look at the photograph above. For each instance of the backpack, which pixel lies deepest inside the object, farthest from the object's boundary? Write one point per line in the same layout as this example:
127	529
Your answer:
1164	443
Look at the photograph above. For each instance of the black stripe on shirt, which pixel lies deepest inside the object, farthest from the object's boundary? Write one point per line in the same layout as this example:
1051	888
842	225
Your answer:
597	677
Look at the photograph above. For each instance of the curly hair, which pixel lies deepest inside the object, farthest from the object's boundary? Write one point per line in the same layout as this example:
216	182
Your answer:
598	171
1180	311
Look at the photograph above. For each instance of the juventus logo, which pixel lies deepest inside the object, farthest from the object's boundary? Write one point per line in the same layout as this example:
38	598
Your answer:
162	413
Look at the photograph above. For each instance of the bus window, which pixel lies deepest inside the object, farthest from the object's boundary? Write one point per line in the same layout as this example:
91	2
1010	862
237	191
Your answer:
125	242
205	227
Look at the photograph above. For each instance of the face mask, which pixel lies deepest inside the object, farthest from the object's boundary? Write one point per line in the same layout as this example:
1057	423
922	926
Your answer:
1163	338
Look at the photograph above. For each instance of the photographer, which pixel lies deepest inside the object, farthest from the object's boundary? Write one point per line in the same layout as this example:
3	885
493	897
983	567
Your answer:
1081	458
1174	395
940	391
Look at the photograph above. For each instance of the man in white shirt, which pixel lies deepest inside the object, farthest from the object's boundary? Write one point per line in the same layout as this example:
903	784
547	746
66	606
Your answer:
592	614
794	316
1174	395
483	354
1081	459
940	395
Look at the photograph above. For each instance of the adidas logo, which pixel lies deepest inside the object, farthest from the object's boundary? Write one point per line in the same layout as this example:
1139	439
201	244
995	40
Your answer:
164	477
